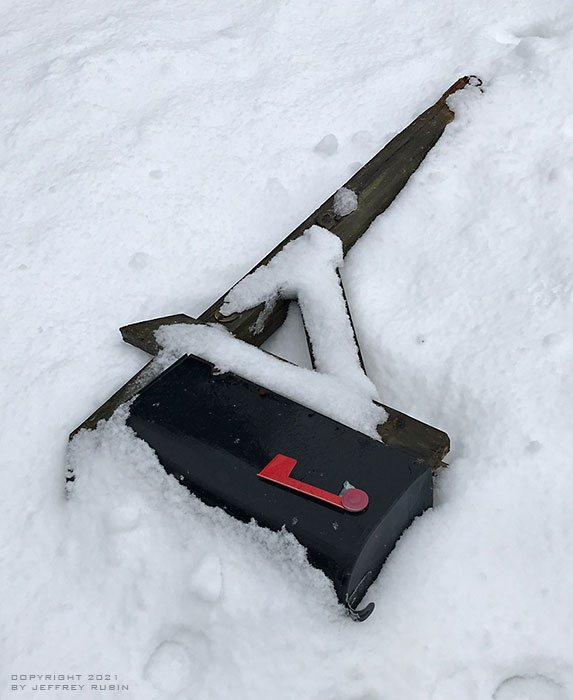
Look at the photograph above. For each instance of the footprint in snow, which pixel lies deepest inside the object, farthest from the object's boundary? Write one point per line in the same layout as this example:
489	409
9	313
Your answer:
364	139
179	664
533	446
327	146
139	261
530	687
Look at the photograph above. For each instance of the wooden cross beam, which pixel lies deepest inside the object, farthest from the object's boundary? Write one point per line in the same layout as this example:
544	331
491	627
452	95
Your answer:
377	184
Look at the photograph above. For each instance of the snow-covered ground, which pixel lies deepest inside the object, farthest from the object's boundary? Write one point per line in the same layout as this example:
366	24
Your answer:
152	152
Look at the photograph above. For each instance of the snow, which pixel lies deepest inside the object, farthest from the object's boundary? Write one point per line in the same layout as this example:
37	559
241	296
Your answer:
306	270
337	398
152	153
345	201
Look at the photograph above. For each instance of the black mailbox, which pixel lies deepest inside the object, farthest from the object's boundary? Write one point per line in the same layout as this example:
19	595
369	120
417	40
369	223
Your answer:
344	496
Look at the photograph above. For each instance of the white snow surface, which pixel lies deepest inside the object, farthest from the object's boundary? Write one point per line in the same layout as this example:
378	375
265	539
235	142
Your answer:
307	270
152	153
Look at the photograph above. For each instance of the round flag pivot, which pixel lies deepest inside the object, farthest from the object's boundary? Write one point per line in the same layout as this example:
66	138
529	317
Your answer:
354	500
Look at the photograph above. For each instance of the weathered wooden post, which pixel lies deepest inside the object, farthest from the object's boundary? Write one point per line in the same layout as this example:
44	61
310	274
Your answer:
376	185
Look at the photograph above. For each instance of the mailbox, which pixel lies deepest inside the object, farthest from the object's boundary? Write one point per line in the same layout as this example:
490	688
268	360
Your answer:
239	446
